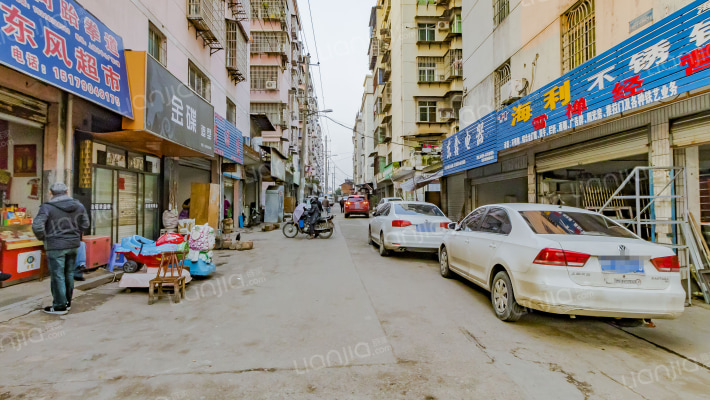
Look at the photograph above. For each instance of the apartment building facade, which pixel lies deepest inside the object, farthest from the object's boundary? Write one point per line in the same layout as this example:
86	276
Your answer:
364	153
415	56
280	92
566	99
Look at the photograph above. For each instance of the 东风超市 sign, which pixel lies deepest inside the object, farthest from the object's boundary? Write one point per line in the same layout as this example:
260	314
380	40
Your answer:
175	112
60	43
472	147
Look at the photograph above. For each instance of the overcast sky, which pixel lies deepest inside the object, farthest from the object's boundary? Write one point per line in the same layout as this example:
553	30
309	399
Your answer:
342	38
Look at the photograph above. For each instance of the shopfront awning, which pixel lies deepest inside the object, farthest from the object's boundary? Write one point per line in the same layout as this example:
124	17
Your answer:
420	181
403	173
262	122
147	142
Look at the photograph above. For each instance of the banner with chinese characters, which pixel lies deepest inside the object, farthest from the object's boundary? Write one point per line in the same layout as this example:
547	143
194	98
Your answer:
228	140
175	112
60	43
472	147
668	58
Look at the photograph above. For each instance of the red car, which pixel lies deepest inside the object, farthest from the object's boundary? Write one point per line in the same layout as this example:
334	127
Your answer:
357	205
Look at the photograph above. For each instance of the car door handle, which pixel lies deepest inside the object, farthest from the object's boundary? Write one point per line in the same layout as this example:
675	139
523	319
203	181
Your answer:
493	245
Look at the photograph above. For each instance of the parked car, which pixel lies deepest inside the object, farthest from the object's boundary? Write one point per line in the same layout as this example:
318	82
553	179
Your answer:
387	200
408	226
357	205
562	260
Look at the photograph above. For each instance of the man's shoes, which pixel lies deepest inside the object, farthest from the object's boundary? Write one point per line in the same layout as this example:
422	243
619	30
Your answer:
55	310
4	276
79	278
69	306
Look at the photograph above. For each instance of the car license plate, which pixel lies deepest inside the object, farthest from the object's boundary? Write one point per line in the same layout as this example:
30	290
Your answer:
622	265
426	227
356	205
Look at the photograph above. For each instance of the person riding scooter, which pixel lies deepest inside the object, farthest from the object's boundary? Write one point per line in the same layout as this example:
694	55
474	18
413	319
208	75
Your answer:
312	215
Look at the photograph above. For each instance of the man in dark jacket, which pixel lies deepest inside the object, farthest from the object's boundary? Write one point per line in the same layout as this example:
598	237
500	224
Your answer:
60	223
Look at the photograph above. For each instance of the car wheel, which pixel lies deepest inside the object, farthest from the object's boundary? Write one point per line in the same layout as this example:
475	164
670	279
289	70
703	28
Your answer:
503	298
444	264
370	242
383	251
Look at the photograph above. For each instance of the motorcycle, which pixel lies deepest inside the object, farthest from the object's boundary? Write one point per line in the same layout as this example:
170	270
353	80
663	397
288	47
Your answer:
324	228
254	217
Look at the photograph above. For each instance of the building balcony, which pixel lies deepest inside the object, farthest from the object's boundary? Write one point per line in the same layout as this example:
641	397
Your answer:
269	10
207	17
387	97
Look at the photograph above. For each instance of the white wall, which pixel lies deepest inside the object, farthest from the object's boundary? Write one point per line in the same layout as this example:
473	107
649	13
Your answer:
129	19
20	186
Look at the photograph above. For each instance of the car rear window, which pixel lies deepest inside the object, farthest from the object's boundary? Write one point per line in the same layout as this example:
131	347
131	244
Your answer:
417	209
573	223
356	199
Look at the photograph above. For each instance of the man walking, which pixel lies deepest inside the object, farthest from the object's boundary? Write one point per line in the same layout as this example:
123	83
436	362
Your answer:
342	204
60	223
326	205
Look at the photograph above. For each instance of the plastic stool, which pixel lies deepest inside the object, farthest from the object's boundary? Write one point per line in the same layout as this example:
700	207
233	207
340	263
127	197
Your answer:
112	261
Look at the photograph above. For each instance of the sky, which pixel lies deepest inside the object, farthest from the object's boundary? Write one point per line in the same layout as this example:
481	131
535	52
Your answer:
342	40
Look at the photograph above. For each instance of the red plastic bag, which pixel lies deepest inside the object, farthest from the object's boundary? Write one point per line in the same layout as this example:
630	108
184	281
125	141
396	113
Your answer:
170	238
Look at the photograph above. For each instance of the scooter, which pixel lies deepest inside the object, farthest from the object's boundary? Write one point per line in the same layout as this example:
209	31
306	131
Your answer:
324	228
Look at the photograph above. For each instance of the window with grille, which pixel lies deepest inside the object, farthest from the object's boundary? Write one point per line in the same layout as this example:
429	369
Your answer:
500	77
231	112
427	111
427	68
501	9
236	47
264	77
426	32
267	42
268	9
578	35
425	2
457	26
198	81
157	45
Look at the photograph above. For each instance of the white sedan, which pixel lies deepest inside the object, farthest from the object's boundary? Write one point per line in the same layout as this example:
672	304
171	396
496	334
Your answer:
562	260
408	226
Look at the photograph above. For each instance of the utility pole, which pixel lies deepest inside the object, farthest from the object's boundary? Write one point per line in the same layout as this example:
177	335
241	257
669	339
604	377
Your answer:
326	166
302	155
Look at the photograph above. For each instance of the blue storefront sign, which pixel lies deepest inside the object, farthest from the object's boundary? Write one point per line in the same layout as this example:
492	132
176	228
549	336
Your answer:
472	147
60	43
228	141
654	66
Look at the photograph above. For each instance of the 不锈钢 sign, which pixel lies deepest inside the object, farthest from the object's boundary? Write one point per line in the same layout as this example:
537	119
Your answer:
60	43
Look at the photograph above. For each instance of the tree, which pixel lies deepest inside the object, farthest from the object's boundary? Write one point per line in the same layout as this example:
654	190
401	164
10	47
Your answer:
338	192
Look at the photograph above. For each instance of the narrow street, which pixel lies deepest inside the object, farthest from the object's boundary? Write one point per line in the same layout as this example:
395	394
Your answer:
304	319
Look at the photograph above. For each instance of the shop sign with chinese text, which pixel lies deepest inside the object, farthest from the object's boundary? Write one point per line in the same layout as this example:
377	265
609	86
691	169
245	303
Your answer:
664	60
175	112
472	147
60	43
228	140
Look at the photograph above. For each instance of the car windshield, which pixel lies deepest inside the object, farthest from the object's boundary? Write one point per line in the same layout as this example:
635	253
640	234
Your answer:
418	209
356	199
573	223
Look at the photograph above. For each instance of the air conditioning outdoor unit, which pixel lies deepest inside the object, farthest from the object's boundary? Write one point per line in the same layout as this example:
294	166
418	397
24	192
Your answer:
446	114
441	78
271	85
443	25
511	91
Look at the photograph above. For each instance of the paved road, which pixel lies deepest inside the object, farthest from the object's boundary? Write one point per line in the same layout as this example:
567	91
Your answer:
328	319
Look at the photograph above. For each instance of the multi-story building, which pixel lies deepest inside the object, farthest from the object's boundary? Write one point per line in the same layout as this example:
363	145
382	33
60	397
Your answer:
129	131
565	99
278	90
364	140
415	55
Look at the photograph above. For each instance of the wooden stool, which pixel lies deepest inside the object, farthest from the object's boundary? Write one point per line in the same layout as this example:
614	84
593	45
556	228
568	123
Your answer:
169	262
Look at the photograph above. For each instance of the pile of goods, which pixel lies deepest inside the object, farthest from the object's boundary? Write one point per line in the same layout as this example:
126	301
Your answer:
201	244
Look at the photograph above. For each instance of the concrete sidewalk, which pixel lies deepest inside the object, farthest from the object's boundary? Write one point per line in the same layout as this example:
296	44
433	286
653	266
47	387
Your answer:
29	296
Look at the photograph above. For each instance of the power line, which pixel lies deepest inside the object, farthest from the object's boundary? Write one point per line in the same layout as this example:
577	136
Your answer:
362	134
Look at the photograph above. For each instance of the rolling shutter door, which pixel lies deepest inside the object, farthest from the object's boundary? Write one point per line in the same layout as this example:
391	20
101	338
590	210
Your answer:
616	146
690	131
21	109
456	195
196	162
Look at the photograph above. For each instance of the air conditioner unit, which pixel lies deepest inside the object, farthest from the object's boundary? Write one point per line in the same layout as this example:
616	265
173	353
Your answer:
511	91
441	78
443	25
446	114
271	85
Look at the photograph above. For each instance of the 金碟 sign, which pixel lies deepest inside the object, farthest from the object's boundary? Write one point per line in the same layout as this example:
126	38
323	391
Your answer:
60	43
175	112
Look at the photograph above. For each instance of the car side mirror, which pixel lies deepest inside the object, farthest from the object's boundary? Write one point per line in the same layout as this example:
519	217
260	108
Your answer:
453	226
